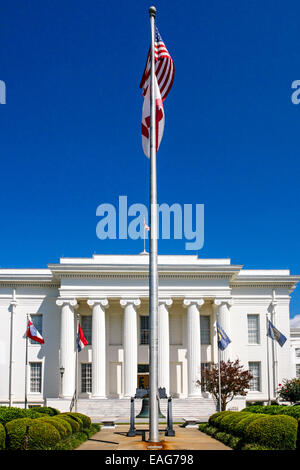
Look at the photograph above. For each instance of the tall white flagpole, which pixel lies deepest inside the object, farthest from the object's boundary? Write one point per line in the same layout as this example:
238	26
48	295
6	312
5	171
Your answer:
13	305
268	363
26	364
153	274
274	351
219	366
76	364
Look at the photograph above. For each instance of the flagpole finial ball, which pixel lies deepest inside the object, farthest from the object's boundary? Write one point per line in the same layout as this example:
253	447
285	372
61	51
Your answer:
152	11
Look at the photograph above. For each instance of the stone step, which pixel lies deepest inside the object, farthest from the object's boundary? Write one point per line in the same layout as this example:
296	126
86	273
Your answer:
182	408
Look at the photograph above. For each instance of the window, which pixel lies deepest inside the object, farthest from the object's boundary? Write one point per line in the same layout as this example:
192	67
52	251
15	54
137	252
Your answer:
253	329
86	325
297	351
37	320
143	368
144	330
298	371
86	378
35	377
205	329
204	366
254	369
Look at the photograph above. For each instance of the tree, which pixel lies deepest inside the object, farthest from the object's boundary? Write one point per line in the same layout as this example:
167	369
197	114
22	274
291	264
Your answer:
290	390
234	381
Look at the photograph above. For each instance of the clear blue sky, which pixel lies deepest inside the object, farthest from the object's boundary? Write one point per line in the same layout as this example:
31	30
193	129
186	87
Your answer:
70	131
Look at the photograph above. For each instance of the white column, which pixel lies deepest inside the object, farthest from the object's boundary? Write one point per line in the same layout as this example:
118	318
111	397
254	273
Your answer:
223	317
67	345
193	345
98	347
130	345
164	344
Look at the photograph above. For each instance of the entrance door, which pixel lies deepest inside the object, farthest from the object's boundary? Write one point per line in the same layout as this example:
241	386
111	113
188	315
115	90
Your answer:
143	381
143	376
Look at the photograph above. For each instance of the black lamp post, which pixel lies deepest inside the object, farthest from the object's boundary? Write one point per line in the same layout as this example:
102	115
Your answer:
62	371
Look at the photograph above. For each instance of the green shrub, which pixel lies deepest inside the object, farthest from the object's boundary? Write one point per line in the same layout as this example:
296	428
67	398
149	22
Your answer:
255	447
16	431
67	426
276	432
293	411
41	435
228	421
235	442
216	418
275	410
211	431
76	418
48	410
212	418
203	426
74	424
9	413
223	437
86	420
2	437
58	424
240	428
76	439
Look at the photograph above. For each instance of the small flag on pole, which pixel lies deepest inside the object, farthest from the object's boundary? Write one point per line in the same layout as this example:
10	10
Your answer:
223	339
164	77
275	334
33	333
81	341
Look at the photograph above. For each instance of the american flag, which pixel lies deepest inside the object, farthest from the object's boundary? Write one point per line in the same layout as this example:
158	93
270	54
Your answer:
164	68
163	81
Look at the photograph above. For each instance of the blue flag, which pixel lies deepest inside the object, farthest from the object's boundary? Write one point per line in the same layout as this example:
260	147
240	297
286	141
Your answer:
223	339
275	334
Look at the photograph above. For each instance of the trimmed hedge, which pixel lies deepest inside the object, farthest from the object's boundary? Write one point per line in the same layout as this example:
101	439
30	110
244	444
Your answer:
58	424
240	428
293	411
216	417
65	424
48	410
275	432
41	435
75	417
86	420
9	413
74	424
44	432
245	430
227	422
2	437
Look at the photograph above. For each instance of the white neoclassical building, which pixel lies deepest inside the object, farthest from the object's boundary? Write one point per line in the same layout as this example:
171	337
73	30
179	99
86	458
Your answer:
109	294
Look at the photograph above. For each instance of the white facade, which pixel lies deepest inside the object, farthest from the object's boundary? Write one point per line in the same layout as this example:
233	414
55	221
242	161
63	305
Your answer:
295	352
112	290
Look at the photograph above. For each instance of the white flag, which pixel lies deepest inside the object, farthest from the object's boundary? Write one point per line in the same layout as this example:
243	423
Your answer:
160	119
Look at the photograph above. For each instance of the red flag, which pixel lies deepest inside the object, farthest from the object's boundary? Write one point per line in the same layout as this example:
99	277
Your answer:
33	333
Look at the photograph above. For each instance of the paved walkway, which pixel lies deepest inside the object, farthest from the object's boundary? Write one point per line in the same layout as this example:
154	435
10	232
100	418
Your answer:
185	439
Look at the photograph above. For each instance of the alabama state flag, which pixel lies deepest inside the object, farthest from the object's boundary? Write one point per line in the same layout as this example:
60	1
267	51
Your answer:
33	333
